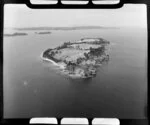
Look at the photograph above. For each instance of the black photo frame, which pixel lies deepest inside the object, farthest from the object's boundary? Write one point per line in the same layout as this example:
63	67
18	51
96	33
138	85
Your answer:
62	6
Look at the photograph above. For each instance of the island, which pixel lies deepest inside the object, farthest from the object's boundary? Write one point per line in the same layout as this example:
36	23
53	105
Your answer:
16	34
79	59
43	32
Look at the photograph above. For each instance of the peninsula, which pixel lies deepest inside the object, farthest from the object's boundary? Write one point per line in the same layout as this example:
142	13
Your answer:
79	59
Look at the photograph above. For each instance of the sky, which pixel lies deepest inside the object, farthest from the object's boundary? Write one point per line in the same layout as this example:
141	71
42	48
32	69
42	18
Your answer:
130	15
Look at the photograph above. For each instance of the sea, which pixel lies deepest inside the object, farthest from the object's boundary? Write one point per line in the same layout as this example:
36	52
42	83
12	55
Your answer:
33	87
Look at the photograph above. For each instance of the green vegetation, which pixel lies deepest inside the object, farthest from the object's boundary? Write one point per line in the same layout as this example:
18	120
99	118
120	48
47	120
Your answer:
98	51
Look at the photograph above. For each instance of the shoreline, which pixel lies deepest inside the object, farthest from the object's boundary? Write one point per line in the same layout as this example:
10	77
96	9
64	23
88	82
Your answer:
63	68
53	62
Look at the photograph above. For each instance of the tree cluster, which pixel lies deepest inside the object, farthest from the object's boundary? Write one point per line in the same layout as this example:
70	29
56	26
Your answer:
98	51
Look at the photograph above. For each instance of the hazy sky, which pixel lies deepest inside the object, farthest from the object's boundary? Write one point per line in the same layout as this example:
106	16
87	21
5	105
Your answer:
130	15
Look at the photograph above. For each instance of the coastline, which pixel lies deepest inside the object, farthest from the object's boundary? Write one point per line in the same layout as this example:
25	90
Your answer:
53	62
63	68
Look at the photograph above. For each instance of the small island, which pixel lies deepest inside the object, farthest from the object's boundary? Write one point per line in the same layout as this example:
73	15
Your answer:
16	34
43	32
79	59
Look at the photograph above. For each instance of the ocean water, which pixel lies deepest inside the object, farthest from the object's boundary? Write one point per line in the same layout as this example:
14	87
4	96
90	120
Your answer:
36	88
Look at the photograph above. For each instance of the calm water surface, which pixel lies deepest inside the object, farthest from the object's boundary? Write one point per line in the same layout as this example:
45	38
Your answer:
33	87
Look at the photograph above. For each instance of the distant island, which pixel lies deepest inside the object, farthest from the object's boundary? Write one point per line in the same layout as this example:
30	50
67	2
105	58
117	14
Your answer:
43	32
79	59
65	28
16	34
